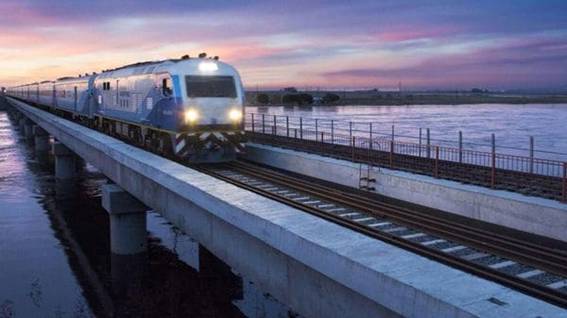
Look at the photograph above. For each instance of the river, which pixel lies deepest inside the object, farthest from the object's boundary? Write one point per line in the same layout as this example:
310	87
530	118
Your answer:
512	125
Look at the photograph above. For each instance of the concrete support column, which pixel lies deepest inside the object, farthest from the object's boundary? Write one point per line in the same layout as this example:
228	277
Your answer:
80	163
22	125
64	161
127	221
41	139
28	129
128	241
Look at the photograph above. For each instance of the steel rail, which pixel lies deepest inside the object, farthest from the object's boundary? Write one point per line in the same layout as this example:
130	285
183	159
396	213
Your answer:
552	260
528	287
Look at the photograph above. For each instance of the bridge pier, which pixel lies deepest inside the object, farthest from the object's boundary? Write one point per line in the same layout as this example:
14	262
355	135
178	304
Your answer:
22	125
41	139
128	239
28	129
65	166
127	220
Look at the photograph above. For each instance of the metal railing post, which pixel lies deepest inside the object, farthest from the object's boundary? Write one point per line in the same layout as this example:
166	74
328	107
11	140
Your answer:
393	133
295	133
275	131
460	146
370	140
436	172
263	124
428	144
353	144
420	142
493	170
316	129
300	127
252	122
565	182
332	131
350	129
287	125
531	154
391	154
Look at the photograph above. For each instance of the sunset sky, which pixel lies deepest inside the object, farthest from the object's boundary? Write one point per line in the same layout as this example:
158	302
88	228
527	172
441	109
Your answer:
329	44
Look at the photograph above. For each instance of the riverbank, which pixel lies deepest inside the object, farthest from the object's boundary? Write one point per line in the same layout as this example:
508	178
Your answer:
374	98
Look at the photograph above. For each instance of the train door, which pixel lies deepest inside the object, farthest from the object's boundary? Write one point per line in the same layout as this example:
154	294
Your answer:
163	81
75	98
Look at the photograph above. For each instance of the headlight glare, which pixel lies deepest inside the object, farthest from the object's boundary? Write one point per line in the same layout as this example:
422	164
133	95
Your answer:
191	116
235	114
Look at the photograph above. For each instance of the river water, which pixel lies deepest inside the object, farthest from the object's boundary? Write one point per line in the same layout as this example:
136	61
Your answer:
55	259
512	125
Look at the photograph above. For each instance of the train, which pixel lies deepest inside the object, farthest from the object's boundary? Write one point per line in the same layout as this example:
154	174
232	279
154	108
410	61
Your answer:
191	108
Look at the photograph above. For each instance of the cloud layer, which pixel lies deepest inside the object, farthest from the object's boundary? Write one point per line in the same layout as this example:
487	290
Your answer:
424	44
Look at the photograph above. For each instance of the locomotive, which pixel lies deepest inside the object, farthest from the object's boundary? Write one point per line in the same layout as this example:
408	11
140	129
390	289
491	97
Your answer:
190	108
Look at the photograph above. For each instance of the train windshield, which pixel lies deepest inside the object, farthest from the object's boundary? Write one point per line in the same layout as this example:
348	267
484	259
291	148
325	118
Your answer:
210	86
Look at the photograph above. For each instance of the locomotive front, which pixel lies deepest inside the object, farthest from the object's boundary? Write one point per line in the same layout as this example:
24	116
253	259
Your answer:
212	98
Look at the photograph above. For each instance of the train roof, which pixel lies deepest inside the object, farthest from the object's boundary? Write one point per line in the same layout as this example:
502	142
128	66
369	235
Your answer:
160	66
148	67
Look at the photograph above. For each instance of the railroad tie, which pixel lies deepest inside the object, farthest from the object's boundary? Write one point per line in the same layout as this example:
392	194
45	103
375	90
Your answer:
433	242
531	273
336	210
502	264
557	285
344	215
472	257
453	249
395	229
364	219
379	224
415	235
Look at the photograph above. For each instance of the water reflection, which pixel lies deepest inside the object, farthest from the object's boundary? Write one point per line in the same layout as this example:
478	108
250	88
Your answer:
56	260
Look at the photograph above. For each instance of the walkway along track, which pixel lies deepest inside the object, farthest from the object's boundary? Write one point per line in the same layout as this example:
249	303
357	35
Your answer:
546	186
530	268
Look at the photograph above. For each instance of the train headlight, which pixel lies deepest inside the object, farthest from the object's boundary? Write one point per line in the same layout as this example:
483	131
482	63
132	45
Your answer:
235	115
208	67
191	116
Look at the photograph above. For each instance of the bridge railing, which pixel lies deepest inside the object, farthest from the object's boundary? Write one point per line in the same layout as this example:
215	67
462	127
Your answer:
491	168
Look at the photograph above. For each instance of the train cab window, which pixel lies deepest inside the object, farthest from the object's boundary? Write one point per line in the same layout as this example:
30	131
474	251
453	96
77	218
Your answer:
210	86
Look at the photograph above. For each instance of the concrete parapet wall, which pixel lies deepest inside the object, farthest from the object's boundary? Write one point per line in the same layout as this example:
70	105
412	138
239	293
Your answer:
318	268
538	216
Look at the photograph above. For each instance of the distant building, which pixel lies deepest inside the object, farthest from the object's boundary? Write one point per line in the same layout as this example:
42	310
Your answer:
290	89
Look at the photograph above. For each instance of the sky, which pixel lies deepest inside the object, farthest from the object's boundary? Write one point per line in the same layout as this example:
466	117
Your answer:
422	44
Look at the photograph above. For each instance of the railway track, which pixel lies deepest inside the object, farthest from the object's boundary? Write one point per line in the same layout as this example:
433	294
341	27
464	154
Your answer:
533	269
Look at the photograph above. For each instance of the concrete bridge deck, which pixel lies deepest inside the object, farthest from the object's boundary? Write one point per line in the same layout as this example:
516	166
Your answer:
316	267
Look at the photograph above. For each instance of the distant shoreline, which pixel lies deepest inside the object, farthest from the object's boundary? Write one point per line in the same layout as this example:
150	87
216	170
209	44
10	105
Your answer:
409	99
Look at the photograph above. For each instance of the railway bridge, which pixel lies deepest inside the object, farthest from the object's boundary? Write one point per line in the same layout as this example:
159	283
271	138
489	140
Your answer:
325	252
